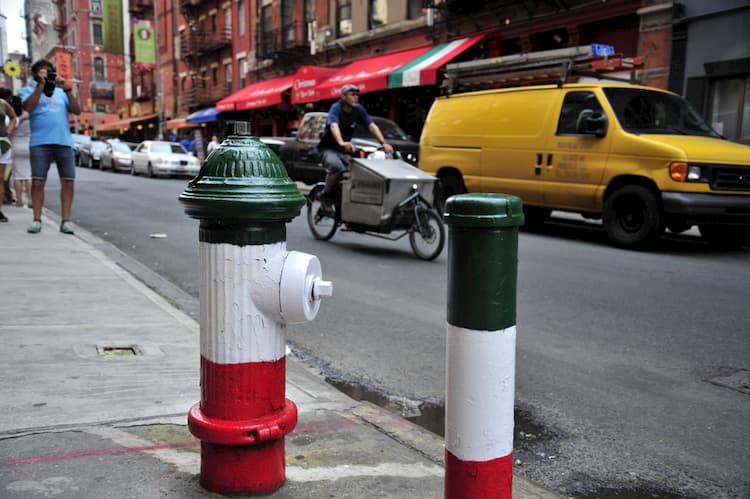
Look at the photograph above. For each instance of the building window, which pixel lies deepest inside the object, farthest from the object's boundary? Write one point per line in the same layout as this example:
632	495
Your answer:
310	14
96	6
204	77
183	84
99	69
96	30
227	19
241	16
344	18
100	108
730	108
377	13
228	76
213	23
266	42
414	9
214	76
242	65
287	21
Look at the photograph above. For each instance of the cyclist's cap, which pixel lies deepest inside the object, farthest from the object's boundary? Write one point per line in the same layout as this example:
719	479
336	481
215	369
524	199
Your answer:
349	87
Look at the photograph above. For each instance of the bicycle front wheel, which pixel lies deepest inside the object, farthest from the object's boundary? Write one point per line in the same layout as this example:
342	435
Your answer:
321	219
427	236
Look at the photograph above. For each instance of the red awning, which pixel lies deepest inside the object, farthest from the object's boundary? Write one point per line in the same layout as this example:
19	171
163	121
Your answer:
306	80
370	75
261	94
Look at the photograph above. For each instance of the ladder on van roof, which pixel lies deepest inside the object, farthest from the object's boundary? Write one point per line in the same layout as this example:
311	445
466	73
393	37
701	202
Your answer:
548	66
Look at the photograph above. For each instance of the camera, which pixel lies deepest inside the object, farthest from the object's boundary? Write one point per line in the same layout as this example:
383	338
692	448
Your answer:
49	84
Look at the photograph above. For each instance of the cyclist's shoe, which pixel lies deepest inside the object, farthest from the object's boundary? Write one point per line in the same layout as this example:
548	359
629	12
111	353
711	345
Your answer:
66	227
327	201
35	227
3	218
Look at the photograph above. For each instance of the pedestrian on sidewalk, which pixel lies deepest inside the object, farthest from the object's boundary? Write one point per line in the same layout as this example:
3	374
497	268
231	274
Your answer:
49	99
7	124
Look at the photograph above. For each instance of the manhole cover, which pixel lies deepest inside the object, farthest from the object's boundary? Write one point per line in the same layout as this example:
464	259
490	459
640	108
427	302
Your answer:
118	351
739	381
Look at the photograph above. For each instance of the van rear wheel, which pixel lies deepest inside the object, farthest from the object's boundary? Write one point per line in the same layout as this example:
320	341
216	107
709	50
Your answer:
632	217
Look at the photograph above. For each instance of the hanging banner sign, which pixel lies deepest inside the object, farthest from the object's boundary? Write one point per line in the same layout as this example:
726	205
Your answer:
64	65
113	35
145	44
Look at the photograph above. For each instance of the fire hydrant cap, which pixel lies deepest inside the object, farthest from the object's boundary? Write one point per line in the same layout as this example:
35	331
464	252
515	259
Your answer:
484	210
242	180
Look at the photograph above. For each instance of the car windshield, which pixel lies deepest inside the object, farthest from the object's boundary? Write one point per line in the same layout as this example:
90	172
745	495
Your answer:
389	129
167	147
81	139
648	112
119	147
98	146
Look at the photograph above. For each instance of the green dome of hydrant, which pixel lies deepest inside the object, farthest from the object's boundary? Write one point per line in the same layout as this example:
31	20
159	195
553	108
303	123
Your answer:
242	181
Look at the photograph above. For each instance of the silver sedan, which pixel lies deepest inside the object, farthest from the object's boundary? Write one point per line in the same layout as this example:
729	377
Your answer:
116	157
154	158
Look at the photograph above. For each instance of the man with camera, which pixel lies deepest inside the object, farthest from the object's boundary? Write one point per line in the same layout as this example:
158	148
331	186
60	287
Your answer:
49	99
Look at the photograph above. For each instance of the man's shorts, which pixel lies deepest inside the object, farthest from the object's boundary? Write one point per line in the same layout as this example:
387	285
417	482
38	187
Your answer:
41	157
335	161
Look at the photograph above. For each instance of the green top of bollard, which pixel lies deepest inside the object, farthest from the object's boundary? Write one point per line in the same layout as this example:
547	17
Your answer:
242	181
484	210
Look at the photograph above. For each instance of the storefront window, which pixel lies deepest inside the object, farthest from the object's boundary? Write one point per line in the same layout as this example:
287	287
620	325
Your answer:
344	18
415	9
730	108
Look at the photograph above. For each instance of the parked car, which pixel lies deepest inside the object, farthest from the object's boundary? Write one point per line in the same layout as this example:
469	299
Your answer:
300	153
395	136
91	153
79	140
162	158
116	156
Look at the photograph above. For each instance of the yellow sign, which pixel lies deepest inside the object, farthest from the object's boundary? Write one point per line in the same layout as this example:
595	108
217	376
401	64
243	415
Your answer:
11	68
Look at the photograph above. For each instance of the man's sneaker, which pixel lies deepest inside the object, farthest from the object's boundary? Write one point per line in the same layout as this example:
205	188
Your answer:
3	218
35	227
66	227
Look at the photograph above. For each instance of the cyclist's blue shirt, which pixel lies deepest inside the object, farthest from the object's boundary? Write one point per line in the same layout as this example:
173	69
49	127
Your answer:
347	122
49	119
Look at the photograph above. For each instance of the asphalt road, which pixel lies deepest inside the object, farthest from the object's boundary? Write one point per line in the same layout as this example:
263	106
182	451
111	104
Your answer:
620	353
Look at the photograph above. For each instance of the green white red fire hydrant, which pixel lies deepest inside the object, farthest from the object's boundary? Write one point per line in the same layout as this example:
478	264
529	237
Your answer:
251	287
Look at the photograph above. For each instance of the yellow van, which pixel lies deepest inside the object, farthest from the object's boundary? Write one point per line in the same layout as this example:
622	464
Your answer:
638	157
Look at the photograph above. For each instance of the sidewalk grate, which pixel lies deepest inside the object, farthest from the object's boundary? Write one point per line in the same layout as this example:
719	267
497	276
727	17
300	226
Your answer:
118	351
739	380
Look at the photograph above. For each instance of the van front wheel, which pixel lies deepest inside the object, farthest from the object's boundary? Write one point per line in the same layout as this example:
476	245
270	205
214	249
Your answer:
632	217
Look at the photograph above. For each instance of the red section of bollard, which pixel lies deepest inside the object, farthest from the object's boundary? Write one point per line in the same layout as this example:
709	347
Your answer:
469	479
247	432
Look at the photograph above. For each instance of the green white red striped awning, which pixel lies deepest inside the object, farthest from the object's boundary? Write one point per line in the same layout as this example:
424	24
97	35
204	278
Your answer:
423	69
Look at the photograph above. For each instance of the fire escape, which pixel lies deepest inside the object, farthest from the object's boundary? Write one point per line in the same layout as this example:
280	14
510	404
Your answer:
200	47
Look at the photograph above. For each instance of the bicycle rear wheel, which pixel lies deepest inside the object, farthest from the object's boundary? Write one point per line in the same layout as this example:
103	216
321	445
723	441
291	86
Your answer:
322	219
427	237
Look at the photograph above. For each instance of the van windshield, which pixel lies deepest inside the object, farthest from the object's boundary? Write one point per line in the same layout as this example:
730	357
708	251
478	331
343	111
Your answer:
647	112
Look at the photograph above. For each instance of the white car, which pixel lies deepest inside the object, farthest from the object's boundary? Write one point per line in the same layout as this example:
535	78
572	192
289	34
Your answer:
116	156
162	158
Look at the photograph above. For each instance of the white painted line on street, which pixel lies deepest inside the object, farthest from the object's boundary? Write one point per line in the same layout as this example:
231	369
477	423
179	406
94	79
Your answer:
403	470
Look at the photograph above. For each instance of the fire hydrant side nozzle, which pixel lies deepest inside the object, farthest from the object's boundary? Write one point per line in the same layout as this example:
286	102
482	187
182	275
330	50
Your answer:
251	287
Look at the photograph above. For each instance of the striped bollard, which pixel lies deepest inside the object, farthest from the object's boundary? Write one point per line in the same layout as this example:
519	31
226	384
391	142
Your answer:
250	288
481	344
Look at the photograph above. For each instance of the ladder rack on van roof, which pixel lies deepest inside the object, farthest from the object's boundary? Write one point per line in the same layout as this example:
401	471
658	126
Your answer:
549	66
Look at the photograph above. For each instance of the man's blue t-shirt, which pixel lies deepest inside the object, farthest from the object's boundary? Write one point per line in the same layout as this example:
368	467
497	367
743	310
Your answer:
49	119
347	123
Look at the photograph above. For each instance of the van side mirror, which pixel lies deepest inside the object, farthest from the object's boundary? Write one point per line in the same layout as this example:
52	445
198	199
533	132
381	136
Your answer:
592	122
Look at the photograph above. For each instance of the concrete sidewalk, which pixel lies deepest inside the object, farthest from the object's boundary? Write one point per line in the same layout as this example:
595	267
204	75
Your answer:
99	372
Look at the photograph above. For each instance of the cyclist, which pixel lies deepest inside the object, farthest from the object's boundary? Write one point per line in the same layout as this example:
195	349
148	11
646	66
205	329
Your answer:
335	145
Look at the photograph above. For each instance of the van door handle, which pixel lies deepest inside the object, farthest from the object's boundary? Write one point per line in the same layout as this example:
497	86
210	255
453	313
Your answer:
538	167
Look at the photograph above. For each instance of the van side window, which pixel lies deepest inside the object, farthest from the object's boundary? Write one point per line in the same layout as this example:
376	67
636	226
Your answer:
574	103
